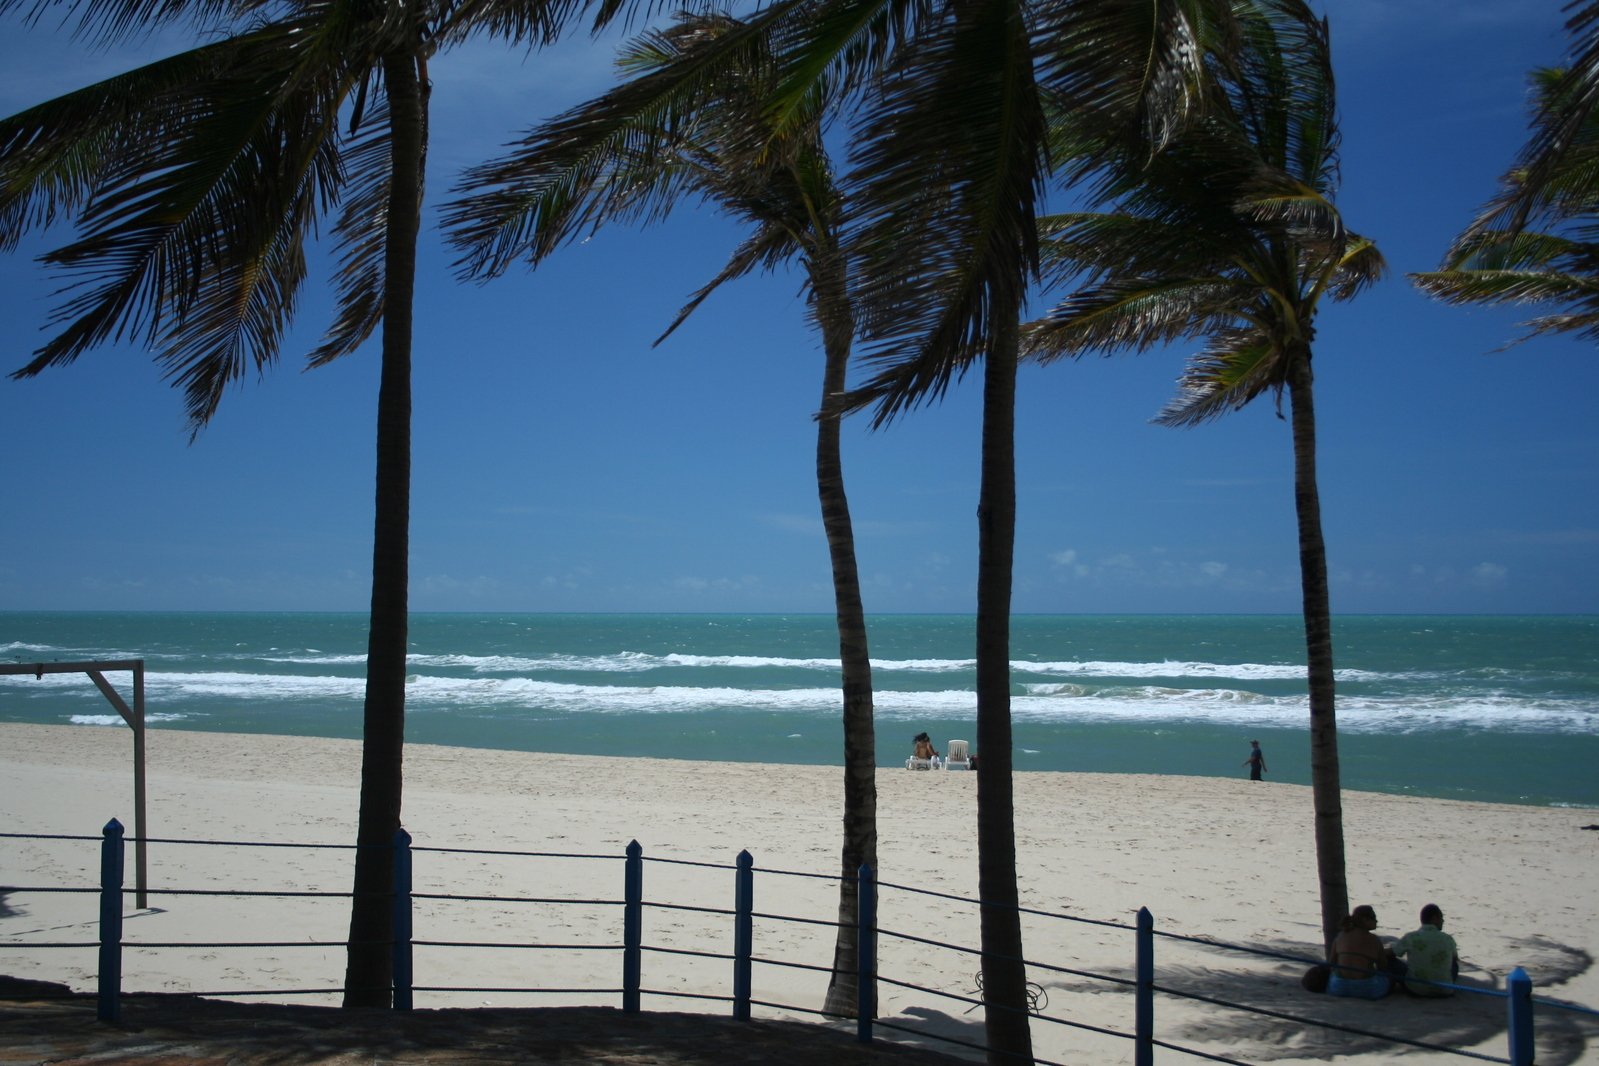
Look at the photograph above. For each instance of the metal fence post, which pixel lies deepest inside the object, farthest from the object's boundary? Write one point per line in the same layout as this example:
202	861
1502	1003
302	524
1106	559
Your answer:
401	934
1144	1002
632	926
865	953
1519	986
111	862
743	933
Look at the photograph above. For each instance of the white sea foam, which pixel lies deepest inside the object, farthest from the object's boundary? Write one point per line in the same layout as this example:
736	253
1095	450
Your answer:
1061	701
17	645
1171	668
116	719
1063	704
1057	691
638	662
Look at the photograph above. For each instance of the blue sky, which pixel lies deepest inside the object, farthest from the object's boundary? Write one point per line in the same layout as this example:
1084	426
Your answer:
561	464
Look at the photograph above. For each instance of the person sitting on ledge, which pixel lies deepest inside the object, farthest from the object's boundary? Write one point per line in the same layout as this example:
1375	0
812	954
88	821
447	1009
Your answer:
1357	959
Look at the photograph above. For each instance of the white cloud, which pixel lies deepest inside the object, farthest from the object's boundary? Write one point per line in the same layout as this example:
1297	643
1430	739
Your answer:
1489	575
1066	559
690	583
572	579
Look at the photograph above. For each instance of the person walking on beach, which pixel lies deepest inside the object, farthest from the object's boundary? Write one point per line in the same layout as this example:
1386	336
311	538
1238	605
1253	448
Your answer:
1256	761
1432	955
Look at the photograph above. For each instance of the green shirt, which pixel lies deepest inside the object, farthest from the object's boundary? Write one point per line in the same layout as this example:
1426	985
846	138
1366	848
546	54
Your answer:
1431	954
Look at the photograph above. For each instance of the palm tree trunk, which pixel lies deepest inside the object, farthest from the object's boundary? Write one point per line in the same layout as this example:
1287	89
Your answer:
860	740
1326	792
368	978
1004	973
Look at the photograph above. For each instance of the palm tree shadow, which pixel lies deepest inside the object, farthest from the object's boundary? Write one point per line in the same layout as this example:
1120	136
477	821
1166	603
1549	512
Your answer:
934	1030
1303	1024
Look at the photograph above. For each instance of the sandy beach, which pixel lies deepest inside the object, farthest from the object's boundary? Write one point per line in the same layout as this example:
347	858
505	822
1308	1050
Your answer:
1224	860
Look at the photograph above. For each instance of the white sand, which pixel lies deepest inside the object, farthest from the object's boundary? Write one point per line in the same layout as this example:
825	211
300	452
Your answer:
1222	859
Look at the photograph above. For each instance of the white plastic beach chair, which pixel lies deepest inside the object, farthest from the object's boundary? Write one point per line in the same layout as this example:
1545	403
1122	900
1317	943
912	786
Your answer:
913	763
955	757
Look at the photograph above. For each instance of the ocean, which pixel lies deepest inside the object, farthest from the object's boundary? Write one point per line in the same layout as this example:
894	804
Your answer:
1499	709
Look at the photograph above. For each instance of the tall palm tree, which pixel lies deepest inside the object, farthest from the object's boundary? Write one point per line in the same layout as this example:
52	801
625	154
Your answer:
196	182
954	158
1231	235
633	153
1537	242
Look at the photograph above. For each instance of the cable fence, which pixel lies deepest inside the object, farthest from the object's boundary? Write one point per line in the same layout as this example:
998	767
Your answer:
711	949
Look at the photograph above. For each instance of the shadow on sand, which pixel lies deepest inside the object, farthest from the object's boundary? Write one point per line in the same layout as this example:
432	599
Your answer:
1463	1020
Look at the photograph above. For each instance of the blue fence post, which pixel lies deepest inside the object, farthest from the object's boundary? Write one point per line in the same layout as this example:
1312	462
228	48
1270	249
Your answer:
865	953
1144	1001
632	926
402	920
1519	986
743	933
111	856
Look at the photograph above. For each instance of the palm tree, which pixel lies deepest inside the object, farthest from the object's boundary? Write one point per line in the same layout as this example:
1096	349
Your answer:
196	182
954	158
1537	242
635	152
1231	235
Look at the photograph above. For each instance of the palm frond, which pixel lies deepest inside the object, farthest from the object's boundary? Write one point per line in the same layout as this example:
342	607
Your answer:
1565	125
529	23
1095	244
1131	314
1237	365
105	21
1137	67
192	241
363	240
55	155
848	42
1361	267
1284	91
944	187
1507	286
619	157
1228	233
1519	250
765	249
1584	324
1521	267
684	126
1296	210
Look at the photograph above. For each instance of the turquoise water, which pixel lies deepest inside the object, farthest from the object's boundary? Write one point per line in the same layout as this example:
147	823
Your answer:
1504	709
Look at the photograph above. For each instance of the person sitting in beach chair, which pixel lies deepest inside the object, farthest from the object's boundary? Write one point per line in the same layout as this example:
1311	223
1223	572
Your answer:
924	756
